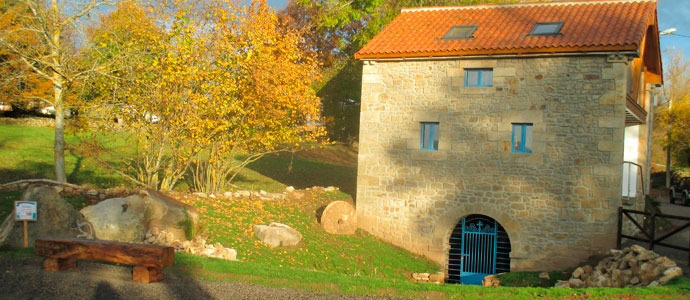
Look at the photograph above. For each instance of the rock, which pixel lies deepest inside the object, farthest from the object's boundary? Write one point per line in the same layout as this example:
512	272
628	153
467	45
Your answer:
244	193
331	189
578	272
645	256
339	217
200	195
665	262
229	254
634	266
616	253
213	196
207	252
673	272
263	193
55	218
227	194
289	189
128	219
491	280
544	275
437	278
575	283
638	249
562	284
277	234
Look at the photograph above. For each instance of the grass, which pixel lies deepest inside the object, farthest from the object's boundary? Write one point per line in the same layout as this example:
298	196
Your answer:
229	221
531	279
30	150
258	273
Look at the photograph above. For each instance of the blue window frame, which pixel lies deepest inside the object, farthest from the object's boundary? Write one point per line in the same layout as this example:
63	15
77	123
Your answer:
479	77
522	138
429	136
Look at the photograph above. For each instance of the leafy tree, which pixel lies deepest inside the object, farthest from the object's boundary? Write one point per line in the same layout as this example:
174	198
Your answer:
675	116
207	87
38	42
20	85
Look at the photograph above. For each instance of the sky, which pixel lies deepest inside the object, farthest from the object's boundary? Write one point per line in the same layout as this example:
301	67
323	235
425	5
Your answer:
671	14
675	14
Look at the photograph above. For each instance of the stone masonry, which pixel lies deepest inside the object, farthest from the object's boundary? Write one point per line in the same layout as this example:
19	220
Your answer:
558	204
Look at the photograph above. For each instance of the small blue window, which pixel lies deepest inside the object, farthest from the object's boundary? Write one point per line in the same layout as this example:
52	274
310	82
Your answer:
479	77
522	138
429	136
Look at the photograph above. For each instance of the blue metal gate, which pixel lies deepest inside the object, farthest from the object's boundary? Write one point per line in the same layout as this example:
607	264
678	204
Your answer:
479	246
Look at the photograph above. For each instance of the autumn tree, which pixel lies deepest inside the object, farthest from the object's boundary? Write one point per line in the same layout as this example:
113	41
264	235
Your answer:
19	86
41	39
340	28
675	116
207	87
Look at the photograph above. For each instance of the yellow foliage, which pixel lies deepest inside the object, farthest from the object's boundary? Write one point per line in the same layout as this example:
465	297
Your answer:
213	81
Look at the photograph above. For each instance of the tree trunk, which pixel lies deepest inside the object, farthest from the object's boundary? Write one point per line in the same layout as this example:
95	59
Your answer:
60	174
58	86
668	167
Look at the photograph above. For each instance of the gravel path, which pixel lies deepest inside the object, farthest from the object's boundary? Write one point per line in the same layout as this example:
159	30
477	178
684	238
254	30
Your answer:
23	278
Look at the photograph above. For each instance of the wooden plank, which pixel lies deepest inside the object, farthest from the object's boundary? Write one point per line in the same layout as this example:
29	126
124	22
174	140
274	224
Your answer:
57	264
147	274
109	251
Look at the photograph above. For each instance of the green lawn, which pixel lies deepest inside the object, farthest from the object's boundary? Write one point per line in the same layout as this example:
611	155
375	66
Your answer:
27	153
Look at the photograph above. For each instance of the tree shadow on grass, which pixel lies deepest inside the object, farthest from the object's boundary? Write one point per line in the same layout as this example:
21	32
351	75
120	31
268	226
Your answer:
27	170
306	173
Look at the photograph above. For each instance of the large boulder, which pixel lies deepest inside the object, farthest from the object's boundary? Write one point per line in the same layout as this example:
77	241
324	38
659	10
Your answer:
55	218
129	219
277	234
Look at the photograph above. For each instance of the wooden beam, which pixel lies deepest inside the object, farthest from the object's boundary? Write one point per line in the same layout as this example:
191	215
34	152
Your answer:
147	274
58	264
108	251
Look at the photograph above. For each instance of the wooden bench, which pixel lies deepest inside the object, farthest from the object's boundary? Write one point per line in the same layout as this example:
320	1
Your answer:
148	260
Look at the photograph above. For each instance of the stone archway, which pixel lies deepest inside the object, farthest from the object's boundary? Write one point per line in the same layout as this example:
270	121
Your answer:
478	246
445	225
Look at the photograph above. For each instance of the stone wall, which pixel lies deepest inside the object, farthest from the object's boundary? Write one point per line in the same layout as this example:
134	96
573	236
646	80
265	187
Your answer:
558	204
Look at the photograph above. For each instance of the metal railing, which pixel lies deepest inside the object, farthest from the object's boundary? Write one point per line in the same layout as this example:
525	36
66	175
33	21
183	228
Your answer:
639	178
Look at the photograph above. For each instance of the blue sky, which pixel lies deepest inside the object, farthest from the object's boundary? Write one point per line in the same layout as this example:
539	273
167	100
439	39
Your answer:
671	14
675	14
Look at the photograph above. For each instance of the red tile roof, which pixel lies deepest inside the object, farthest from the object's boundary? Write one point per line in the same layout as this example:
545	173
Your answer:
503	29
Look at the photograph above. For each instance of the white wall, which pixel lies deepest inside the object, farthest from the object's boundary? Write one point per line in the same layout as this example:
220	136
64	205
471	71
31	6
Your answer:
630	153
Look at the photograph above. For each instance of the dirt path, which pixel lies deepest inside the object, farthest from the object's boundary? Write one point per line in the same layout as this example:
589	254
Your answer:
23	278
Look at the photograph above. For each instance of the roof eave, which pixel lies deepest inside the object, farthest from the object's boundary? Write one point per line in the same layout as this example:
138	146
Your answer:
541	51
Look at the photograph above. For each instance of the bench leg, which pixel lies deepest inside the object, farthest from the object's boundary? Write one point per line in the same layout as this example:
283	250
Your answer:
147	274
59	264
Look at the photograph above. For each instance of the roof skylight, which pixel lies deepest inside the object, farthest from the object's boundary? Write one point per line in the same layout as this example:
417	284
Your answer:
460	32
546	28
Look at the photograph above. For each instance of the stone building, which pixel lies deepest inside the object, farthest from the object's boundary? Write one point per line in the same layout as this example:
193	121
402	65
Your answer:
504	137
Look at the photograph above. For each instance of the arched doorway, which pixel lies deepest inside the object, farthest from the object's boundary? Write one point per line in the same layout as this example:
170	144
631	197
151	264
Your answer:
479	246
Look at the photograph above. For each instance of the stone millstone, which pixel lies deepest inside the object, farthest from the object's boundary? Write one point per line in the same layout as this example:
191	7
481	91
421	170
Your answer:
339	217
